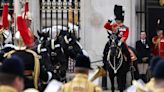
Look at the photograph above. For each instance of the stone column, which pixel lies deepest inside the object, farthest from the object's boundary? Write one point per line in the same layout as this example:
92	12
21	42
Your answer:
34	7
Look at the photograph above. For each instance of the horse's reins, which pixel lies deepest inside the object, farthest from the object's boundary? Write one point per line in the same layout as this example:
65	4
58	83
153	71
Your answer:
119	55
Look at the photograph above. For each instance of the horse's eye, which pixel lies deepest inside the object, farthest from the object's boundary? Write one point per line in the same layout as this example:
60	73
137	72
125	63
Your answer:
70	47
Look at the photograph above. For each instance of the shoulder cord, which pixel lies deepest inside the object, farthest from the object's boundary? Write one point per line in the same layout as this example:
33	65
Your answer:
36	72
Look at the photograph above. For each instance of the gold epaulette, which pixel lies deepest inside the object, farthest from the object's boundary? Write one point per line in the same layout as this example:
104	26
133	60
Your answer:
8	54
156	42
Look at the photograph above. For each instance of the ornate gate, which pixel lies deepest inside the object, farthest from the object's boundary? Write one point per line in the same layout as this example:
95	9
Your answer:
59	12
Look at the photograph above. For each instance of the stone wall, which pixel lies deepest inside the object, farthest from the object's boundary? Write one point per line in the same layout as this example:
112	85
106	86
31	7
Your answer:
94	13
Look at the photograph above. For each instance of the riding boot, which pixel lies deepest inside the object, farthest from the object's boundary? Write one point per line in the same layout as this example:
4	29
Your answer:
104	83
104	79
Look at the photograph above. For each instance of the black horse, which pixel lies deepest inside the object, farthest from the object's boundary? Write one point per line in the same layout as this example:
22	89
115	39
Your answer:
53	56
72	48
116	61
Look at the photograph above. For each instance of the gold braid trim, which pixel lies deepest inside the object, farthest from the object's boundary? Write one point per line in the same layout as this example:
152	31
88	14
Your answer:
36	72
8	54
36	67
156	42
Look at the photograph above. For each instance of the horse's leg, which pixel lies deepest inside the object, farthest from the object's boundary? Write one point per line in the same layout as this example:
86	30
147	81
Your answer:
121	77
136	72
104	80
111	76
105	52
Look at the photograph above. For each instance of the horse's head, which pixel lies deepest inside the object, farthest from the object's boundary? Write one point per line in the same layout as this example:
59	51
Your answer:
57	58
72	46
43	36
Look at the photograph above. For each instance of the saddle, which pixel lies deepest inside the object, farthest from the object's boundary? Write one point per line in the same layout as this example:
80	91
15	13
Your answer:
132	55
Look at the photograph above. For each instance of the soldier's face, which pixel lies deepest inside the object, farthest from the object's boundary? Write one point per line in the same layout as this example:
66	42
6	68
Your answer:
19	84
142	35
160	33
118	21
28	22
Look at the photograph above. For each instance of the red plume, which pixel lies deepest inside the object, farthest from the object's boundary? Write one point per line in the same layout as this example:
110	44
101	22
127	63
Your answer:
26	9
5	21
24	31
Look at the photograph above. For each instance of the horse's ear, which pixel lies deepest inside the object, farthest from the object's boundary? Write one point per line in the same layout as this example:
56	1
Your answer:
78	39
38	32
48	32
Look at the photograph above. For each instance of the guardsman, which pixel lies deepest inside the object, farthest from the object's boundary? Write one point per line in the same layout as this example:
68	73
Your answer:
27	36
80	82
158	41
116	26
120	28
34	69
12	75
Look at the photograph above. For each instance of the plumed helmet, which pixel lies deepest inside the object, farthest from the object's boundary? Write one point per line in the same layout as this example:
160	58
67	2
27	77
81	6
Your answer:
27	15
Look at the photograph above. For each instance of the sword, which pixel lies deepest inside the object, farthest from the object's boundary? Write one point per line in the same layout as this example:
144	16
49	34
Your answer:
56	17
67	14
62	7
78	19
51	16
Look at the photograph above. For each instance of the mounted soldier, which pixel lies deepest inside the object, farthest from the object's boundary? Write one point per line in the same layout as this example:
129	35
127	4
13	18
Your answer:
116	55
5	30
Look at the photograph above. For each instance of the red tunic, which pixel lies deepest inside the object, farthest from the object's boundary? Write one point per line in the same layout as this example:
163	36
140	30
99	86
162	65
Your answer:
123	30
158	48
161	47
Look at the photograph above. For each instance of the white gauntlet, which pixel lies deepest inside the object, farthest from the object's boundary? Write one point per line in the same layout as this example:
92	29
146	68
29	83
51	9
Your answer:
119	43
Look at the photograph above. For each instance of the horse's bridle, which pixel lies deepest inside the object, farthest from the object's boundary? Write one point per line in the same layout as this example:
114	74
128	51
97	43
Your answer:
113	38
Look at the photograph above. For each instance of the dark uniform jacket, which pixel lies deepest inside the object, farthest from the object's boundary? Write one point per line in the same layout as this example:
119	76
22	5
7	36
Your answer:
34	69
143	50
